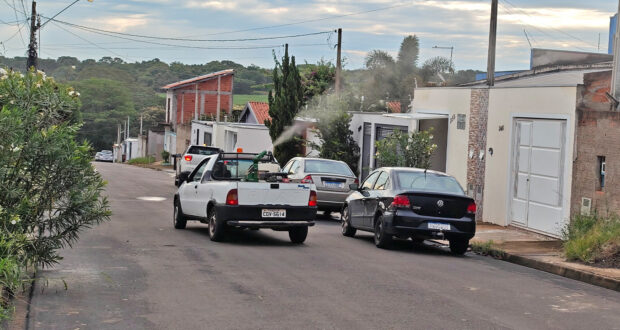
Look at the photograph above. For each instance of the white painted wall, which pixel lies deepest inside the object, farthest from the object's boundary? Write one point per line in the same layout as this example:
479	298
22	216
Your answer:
251	138
450	101
505	104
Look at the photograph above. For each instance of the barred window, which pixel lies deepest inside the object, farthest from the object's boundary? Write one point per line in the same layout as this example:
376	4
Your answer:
460	121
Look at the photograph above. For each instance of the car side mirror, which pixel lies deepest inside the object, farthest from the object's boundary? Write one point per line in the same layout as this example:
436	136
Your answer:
354	186
183	177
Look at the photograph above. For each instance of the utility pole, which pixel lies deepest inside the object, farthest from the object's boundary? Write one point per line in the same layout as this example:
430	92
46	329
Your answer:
118	143
338	61
615	87
32	46
140	124
127	132
492	42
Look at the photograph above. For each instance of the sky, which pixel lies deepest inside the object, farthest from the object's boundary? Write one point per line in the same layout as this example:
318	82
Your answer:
366	25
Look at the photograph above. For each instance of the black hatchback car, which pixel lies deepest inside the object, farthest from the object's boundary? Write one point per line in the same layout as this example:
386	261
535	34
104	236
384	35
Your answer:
410	203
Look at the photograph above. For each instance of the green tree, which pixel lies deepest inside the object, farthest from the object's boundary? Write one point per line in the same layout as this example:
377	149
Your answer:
436	65
284	102
317	78
408	55
49	190
336	139
406	150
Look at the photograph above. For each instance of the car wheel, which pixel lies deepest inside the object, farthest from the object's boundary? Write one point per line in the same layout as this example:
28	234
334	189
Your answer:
298	235
345	221
178	219
459	246
217	229
382	239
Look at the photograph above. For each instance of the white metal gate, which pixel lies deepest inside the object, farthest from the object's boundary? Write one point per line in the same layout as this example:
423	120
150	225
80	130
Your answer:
538	167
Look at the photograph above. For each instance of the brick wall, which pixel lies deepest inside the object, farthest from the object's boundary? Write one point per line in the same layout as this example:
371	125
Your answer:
478	117
207	103
597	134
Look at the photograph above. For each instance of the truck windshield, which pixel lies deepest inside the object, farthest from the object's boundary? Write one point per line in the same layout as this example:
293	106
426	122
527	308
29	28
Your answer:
234	169
205	151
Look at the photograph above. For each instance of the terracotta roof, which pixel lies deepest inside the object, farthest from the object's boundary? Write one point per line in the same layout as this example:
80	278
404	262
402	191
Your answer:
394	106
260	110
199	78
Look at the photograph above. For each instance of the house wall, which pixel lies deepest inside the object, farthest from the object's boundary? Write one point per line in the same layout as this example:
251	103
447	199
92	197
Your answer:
597	134
155	144
251	138
450	101
506	104
190	107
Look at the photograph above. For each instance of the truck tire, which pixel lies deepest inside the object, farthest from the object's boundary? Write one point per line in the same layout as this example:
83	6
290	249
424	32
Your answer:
459	246
217	229
298	235
347	230
178	219
382	239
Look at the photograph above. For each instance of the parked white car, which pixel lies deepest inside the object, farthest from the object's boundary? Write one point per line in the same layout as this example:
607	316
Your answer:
104	156
192	157
245	191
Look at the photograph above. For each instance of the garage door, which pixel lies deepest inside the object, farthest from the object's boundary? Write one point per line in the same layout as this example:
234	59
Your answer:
537	174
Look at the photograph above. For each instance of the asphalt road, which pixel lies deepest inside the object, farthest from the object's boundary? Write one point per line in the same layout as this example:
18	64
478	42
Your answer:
138	272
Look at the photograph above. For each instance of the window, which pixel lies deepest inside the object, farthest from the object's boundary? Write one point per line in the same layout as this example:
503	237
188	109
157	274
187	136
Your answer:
600	173
200	150
460	121
382	181
326	166
287	167
295	167
198	172
207	139
370	181
232	169
431	182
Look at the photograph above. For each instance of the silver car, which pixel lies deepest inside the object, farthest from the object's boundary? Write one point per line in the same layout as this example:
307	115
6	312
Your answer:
104	156
331	178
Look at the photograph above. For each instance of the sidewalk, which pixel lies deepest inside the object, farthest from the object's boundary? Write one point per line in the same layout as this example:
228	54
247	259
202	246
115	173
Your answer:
543	253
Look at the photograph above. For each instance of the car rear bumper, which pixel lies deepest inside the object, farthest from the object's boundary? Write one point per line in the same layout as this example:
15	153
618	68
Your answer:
408	223
331	199
251	216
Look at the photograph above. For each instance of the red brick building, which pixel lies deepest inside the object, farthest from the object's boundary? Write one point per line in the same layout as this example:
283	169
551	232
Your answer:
206	97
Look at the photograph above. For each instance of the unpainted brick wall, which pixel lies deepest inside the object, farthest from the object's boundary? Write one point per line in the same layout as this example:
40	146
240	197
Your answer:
597	134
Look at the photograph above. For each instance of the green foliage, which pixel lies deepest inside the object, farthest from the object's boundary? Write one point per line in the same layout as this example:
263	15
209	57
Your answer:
487	249
436	65
284	102
406	150
243	99
49	191
141	160
165	155
408	55
593	239
317	79
332	129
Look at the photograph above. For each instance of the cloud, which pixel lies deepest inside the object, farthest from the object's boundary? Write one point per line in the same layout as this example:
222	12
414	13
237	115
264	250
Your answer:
119	24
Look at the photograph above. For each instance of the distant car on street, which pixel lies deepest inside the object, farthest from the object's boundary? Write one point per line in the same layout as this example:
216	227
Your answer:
191	158
104	156
331	177
410	203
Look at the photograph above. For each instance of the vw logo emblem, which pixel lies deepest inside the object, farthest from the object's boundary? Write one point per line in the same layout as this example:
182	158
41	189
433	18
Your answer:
440	203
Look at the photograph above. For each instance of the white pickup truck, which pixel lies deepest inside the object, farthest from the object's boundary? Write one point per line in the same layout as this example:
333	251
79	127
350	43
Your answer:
242	190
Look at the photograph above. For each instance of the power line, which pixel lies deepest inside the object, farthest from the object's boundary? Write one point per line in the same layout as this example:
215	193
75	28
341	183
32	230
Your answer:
189	40
92	43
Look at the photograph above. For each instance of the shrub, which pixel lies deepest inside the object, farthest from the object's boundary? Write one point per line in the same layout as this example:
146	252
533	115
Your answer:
593	239
408	150
141	160
49	191
165	155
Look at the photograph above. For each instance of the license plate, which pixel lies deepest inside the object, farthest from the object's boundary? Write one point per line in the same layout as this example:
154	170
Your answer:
269	213
439	226
334	184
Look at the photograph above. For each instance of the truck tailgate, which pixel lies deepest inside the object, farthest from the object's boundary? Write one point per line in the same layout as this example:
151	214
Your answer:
266	193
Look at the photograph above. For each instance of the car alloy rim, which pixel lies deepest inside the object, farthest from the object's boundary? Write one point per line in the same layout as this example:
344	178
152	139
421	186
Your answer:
176	214
378	230
211	225
345	221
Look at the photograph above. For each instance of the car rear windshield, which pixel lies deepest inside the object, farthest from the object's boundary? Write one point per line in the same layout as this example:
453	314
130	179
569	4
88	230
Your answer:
325	166
205	151
430	182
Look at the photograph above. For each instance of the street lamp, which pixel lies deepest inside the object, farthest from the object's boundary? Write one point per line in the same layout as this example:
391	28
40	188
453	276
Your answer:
450	48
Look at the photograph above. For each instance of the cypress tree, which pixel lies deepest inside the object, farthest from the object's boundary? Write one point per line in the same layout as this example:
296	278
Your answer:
285	100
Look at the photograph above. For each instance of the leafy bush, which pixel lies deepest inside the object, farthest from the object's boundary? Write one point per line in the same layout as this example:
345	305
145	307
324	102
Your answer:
406	150
165	155
141	160
49	191
593	239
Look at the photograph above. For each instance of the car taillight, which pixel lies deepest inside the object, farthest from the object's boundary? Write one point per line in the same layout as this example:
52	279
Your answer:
312	200
307	179
285	180
357	181
471	208
401	201
232	197
188	158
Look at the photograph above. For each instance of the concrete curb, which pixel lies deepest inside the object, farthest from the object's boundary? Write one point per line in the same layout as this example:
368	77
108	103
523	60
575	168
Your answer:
575	274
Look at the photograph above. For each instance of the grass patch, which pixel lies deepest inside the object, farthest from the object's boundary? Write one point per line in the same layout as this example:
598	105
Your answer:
141	160
593	239
487	249
242	99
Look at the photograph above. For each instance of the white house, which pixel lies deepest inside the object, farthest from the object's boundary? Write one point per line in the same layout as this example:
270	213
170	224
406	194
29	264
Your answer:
231	136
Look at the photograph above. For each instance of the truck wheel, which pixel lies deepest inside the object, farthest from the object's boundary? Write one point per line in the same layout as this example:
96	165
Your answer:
345	220
217	229
178	219
459	246
382	239
298	235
